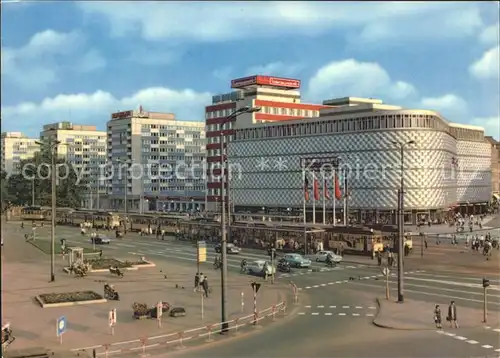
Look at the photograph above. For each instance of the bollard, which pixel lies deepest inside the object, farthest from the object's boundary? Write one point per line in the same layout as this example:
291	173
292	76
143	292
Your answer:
143	343
93	353
274	313
180	340
209	329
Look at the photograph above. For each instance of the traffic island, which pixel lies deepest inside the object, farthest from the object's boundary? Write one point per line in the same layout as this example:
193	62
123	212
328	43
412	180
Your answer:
64	299
418	316
46	247
103	264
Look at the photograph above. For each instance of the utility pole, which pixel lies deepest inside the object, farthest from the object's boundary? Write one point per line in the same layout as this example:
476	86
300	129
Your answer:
33	191
53	216
224	324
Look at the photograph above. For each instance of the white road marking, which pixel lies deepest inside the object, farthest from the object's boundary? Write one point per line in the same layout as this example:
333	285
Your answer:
321	306
470	341
308	287
366	277
315	313
487	346
454	283
328	313
497	330
359	307
460	338
330	283
308	306
338	281
355	314
372	308
345	306
497	350
341	314
301	313
323	284
369	315
333	306
345	281
315	286
449	334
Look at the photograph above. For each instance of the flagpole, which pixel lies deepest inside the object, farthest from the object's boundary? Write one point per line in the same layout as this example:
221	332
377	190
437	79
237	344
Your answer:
324	197
304	207
334	198
345	196
314	197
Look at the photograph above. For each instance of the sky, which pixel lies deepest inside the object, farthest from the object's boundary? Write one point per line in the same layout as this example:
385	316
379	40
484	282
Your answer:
80	61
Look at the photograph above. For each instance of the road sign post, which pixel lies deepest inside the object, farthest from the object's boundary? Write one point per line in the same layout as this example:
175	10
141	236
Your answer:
486	284
61	327
159	313
201	254
386	273
255	288
112	321
202	305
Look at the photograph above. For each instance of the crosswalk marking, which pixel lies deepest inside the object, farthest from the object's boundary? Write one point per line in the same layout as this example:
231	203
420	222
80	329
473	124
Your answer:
487	346
471	341
460	338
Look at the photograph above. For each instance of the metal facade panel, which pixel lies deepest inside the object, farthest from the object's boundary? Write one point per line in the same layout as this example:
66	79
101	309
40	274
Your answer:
267	171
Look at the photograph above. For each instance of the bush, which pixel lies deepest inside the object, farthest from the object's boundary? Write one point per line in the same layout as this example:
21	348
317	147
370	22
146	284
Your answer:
70	297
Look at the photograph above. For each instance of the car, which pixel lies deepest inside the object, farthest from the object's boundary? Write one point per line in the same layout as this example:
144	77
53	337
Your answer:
230	248
296	260
100	240
321	256
257	267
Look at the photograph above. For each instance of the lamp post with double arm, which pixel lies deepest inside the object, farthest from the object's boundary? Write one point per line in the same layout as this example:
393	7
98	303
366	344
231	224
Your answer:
224	158
401	222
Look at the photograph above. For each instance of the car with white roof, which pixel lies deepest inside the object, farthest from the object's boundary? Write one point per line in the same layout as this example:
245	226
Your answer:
323	254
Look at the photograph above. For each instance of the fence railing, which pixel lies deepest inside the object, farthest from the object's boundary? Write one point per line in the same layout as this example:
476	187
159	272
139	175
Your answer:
143	344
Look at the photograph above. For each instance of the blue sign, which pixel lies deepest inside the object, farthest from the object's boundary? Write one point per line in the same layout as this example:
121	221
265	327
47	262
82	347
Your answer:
61	326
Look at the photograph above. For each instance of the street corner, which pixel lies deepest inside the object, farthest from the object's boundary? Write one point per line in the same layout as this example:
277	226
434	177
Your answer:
414	315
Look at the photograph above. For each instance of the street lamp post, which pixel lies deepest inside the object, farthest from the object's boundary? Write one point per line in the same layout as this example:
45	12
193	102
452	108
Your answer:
223	155
401	222
53	152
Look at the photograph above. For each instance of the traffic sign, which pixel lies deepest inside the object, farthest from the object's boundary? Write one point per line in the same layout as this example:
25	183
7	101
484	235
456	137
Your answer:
255	286
201	251
386	271
61	326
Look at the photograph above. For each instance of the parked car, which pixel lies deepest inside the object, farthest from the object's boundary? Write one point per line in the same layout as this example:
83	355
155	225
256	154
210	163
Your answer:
230	249
257	267
100	240
297	260
321	256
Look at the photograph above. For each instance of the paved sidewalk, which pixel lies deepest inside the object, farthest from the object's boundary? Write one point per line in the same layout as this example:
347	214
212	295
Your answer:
88	324
418	315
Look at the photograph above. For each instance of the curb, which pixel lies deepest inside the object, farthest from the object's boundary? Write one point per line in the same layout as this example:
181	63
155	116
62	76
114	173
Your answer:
149	264
67	304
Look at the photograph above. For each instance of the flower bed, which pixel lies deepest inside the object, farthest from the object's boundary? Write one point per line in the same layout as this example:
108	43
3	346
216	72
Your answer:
105	263
69	298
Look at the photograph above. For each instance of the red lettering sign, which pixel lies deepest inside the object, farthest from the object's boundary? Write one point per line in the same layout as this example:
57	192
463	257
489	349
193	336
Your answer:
121	115
245	81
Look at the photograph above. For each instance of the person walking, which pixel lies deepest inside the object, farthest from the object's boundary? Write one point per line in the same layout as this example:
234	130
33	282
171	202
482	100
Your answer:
437	317
196	282
452	315
205	285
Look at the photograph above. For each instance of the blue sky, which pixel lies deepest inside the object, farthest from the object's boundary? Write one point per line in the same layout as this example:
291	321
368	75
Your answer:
81	61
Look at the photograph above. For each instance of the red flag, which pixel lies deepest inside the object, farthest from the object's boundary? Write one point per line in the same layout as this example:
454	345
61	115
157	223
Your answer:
316	189
306	188
325	188
338	194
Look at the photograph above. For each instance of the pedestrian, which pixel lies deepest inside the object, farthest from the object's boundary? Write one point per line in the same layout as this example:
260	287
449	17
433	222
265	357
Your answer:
205	285
196	281
452	315
437	317
425	243
379	258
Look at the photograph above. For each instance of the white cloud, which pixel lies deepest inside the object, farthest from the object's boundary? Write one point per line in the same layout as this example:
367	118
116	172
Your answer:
356	79
454	108
39	63
279	69
95	108
490	35
205	22
491	125
488	66
92	61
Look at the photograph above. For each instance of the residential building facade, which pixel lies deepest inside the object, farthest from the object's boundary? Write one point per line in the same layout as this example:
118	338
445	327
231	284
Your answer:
163	158
16	147
84	147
